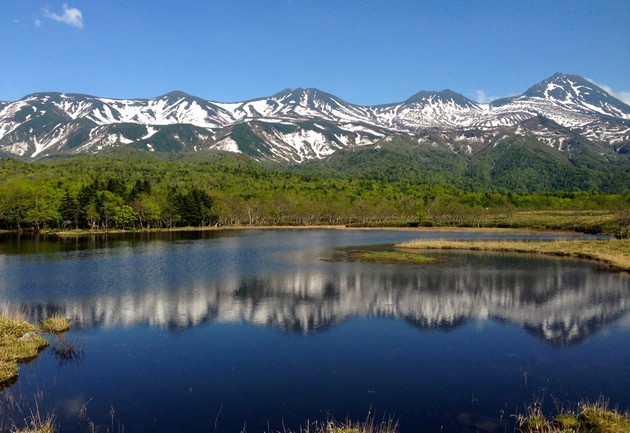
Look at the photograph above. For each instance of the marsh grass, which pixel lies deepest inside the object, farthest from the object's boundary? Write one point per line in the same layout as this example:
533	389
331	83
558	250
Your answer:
67	351
38	424
613	252
19	414
370	425
597	418
588	221
19	342
55	324
591	418
390	256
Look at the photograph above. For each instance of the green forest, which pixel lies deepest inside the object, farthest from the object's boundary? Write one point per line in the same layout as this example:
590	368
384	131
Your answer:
137	190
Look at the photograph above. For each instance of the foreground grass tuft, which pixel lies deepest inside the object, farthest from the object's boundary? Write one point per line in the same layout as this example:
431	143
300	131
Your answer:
55	324
591	418
596	418
45	426
19	342
367	426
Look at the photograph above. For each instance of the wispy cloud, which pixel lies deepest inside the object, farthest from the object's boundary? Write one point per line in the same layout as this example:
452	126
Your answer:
71	16
622	96
482	97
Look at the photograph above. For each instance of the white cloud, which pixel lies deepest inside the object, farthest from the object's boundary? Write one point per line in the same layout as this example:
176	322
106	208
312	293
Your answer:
37	22
622	96
71	16
482	97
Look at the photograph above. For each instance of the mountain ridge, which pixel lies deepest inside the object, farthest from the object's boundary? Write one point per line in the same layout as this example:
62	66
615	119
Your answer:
296	125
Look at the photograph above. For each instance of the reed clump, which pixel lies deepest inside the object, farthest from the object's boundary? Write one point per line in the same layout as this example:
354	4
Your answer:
591	418
37	425
613	252
370	425
55	324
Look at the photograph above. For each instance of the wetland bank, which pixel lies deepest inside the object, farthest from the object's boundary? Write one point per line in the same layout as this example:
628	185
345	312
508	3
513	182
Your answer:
218	330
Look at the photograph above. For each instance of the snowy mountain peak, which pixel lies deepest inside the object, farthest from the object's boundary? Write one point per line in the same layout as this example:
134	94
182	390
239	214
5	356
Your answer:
576	92
306	97
445	96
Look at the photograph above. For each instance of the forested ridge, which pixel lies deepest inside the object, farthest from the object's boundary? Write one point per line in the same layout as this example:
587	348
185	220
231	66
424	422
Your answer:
145	191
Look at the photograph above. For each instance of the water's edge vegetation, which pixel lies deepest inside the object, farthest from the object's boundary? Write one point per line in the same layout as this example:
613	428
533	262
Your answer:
139	193
614	253
21	341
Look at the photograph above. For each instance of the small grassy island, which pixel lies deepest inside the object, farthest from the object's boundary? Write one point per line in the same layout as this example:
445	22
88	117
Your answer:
55	325
390	256
615	253
21	341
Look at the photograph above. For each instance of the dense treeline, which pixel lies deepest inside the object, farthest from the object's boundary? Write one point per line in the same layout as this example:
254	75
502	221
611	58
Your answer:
140	193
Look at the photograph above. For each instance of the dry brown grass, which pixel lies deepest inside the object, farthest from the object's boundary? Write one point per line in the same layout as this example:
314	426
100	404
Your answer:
46	425
590	418
55	324
370	425
19	342
613	252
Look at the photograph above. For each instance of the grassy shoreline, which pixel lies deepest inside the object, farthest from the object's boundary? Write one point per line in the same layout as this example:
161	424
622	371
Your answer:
444	229
615	253
21	341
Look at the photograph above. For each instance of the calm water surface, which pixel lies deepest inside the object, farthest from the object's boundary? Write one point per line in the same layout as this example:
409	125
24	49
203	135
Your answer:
262	329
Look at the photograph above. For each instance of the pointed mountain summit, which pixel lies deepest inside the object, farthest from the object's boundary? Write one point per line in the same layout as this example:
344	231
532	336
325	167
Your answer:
308	102
308	97
177	94
577	92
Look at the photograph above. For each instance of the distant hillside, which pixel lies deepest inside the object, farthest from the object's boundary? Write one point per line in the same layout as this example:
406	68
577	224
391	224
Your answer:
511	163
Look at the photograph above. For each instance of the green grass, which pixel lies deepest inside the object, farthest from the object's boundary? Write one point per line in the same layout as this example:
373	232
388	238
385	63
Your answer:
591	418
587	221
55	325
390	256
613	252
597	418
19	342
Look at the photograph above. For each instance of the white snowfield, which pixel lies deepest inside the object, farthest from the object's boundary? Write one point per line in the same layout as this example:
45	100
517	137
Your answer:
301	124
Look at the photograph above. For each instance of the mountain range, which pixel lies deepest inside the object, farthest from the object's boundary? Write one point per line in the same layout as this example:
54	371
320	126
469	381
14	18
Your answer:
563	112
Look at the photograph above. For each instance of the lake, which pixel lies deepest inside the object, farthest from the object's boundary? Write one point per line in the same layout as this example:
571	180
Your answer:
262	330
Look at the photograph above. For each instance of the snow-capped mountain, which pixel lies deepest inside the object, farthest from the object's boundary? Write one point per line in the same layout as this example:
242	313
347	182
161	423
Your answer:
296	125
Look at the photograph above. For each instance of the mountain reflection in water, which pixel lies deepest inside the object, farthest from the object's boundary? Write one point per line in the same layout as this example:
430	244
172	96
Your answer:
560	301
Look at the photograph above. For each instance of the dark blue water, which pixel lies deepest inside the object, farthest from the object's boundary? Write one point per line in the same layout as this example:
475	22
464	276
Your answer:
265	330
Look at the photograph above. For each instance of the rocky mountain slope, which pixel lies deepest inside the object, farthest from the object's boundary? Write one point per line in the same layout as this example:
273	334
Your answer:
297	125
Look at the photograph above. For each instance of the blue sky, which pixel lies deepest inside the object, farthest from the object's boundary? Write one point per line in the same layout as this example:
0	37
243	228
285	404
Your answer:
366	52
